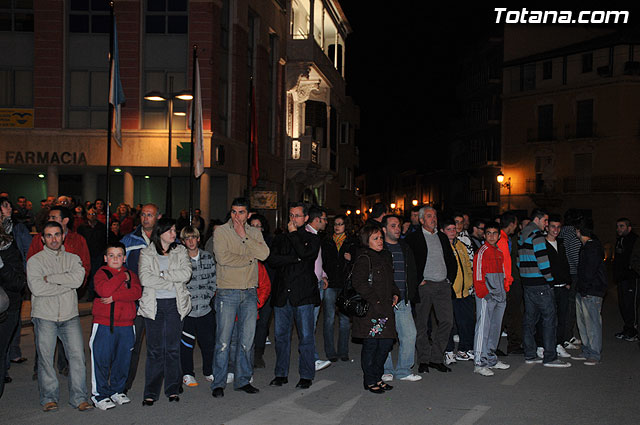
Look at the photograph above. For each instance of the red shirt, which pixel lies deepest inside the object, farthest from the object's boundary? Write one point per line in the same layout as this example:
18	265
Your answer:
73	243
124	310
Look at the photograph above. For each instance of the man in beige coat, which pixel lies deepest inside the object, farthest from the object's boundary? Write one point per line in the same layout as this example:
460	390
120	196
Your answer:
53	276
237	248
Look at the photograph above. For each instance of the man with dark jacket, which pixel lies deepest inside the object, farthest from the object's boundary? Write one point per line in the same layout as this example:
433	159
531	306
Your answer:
405	278
561	279
436	270
592	285
294	295
626	279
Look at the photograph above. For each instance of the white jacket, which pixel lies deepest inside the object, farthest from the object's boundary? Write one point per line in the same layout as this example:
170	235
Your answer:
56	298
175	277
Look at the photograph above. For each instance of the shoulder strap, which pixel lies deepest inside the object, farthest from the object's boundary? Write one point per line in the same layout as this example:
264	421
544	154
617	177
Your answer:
113	304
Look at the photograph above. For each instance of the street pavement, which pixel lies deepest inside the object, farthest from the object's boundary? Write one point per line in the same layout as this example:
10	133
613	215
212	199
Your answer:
524	394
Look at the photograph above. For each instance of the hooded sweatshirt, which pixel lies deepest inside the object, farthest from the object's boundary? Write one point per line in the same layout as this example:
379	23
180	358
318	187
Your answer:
533	260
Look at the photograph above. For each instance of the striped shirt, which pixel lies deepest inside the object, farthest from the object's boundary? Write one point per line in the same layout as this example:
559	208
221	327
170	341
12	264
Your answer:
572	245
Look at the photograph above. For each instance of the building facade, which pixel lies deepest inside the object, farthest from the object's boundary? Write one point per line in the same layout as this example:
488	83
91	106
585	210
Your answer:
54	86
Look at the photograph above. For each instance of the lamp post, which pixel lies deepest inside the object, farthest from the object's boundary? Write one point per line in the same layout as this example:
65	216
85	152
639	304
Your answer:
507	185
155	96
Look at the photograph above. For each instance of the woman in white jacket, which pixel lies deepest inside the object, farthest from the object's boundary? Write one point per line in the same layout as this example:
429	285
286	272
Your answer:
164	269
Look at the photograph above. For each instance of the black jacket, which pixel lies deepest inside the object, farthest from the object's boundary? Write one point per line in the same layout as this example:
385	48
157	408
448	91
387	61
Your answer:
410	272
333	262
621	261
559	264
293	255
12	277
419	247
592	276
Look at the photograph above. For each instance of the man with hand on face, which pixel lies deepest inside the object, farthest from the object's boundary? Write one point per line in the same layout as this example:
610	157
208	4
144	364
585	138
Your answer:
294	295
237	248
54	275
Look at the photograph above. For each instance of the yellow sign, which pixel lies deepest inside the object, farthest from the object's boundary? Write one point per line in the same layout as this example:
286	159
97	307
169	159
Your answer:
16	118
264	200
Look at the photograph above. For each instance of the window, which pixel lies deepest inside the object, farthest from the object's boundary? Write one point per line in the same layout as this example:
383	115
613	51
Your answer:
587	62
545	122
528	77
16	88
300	19
89	16
547	70
166	17
16	15
543	167
584	122
583	166
88	99
344	133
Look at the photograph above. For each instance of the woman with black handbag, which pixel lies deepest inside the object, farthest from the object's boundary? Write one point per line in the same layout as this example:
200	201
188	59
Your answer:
372	278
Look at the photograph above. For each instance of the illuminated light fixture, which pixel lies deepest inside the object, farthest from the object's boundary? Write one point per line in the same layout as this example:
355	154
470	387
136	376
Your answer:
185	95
414	202
180	114
146	177
393	205
358	212
117	170
155	96
500	177
41	176
348	212
505	184
370	210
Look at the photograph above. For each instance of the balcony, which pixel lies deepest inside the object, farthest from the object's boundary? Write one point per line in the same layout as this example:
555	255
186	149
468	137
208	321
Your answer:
573	131
307	162
542	135
614	183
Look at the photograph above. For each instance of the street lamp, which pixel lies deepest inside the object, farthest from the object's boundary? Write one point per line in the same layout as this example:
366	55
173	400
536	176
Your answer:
393	205
506	185
155	96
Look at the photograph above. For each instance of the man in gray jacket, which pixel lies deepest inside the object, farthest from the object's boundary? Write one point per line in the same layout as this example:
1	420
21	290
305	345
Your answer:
53	276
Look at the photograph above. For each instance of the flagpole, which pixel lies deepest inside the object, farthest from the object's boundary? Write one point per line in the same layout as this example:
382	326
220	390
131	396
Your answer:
193	126
249	141
110	118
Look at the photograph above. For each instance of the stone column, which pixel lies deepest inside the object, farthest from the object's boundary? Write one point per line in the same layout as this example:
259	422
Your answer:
128	187
52	180
205	194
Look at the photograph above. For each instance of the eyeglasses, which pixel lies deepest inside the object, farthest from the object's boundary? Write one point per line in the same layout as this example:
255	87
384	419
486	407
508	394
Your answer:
296	216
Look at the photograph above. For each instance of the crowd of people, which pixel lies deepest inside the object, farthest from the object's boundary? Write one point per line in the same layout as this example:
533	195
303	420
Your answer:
444	288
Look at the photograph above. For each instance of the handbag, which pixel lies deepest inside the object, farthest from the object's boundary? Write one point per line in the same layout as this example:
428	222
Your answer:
349	301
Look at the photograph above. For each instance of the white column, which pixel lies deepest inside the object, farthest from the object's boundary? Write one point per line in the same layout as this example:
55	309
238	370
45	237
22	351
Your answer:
52	180
128	187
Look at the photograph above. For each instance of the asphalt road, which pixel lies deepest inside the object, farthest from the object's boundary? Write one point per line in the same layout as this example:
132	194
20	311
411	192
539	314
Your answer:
525	394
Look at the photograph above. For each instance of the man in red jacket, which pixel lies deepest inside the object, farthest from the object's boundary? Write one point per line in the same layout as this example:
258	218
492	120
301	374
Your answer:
112	336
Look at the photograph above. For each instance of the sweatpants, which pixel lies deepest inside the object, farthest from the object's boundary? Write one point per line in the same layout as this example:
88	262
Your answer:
110	359
489	314
203	330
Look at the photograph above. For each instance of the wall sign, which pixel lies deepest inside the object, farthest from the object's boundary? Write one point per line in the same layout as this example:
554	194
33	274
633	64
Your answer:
45	158
16	118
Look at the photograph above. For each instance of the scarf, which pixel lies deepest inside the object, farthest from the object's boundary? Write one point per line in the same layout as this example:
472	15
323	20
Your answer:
5	233
339	239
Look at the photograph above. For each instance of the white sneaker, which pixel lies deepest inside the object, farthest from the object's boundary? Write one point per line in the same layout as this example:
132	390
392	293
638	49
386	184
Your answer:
462	356
557	363
267	342
456	338
189	381
449	358
579	357
230	377
413	378
322	364
119	398
504	334
103	404
209	378
562	352
484	371
387	377
591	362
500	365
575	341
540	352
470	354
570	346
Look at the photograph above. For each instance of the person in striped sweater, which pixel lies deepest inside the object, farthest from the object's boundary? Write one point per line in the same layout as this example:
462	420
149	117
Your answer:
537	281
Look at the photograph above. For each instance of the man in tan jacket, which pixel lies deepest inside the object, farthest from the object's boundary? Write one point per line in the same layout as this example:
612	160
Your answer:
53	276
237	248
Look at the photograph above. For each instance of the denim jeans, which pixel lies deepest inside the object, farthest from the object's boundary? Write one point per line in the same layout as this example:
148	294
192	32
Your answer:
589	321
231	304
406	328
70	332
539	304
163	350
329	305
303	317
372	358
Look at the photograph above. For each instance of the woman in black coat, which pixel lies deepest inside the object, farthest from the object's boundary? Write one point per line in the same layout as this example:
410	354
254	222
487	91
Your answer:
377	328
12	281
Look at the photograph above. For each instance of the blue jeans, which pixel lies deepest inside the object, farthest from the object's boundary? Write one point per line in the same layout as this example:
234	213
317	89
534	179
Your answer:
303	317
539	304
231	304
163	350
316	312
70	333
110	358
329	305
406	328
590	325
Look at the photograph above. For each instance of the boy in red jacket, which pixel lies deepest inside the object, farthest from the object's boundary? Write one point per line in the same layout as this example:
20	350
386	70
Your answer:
491	299
112	336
